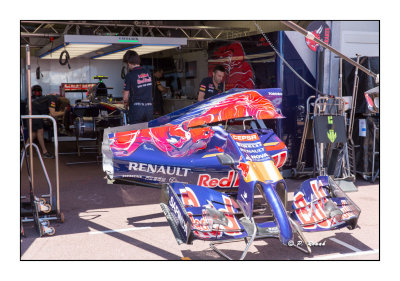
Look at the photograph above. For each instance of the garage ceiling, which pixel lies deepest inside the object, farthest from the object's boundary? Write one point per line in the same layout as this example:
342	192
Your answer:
198	33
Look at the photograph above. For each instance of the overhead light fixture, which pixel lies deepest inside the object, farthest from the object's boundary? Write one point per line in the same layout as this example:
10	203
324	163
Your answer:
116	54
87	45
139	49
74	50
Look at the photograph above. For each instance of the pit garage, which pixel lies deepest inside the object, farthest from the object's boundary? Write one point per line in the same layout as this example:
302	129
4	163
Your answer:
276	160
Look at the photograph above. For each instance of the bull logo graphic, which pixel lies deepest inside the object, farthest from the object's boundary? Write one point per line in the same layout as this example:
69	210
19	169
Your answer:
249	103
175	140
245	168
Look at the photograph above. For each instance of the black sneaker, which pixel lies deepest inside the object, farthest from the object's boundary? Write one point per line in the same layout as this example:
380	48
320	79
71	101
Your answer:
47	155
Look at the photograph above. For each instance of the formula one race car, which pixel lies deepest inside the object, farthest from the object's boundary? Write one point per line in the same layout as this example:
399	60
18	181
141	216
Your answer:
217	162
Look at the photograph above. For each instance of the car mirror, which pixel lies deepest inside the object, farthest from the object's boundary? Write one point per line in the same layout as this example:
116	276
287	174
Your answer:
225	159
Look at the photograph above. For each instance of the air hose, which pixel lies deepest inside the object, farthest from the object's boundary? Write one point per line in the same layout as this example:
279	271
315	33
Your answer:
123	73
66	60
38	73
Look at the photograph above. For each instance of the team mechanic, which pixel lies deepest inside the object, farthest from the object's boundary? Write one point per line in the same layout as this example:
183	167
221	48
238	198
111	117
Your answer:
211	86
137	90
46	105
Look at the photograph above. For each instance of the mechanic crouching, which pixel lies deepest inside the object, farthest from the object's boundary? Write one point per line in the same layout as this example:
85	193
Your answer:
46	105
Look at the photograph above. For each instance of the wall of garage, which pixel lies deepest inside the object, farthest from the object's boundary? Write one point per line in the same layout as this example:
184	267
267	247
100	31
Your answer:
82	71
190	86
350	38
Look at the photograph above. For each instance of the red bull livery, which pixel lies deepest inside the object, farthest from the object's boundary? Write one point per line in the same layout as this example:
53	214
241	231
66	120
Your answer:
218	165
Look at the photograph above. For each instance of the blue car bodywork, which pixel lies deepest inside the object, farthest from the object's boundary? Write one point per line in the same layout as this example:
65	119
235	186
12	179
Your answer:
218	165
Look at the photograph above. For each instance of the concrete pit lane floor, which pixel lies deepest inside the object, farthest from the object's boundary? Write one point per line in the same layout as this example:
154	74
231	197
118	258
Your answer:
124	222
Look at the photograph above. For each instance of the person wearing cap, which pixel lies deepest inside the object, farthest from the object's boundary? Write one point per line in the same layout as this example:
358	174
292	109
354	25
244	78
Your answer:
46	105
137	91
36	91
211	86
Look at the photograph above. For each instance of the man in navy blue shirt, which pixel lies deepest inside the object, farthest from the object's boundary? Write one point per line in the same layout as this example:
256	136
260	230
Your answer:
137	90
211	86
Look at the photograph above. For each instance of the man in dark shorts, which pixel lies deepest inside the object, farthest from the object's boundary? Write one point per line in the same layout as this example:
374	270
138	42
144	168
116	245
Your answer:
45	105
158	90
211	86
137	91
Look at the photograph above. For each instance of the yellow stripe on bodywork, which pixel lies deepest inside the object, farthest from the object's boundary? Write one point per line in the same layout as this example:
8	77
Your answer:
271	143
212	155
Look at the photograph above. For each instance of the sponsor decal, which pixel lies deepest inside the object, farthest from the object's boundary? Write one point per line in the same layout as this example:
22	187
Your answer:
146	178
178	215
280	159
311	213
128	38
321	31
77	87
204	227
370	102
143	78
158	169
189	197
249	145
275	93
147	148
253	151
251	137
207	181
260	157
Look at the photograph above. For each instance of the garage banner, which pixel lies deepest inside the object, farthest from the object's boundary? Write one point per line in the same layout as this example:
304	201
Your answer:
321	31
